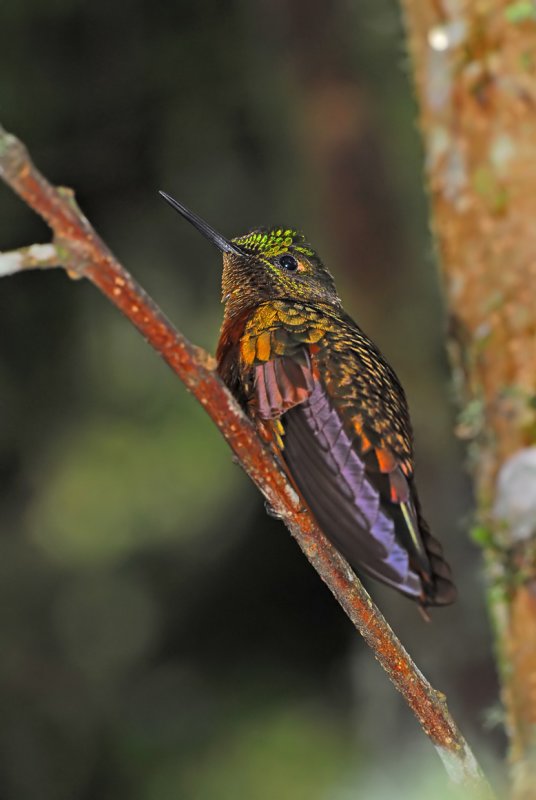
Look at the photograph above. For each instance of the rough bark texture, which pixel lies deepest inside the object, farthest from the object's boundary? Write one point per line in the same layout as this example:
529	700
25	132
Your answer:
475	73
84	255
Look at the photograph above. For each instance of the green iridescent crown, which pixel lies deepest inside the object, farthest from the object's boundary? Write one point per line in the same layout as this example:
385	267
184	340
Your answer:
271	242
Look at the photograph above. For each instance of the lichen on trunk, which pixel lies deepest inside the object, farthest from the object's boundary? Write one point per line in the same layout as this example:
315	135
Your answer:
475	75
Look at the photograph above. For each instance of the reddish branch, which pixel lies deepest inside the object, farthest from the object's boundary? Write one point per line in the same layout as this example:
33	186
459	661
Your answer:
83	254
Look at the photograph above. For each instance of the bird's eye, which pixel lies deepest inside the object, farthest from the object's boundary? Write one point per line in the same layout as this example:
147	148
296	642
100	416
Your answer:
288	262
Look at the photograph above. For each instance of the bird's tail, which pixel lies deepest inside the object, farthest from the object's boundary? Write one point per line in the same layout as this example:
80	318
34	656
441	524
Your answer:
437	582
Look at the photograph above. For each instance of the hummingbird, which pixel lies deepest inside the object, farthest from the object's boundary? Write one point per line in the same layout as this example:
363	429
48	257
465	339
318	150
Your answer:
320	391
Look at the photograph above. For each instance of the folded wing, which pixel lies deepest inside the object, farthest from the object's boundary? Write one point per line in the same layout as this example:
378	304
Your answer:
355	488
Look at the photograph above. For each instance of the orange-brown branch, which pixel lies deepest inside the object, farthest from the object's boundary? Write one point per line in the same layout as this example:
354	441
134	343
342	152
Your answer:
83	254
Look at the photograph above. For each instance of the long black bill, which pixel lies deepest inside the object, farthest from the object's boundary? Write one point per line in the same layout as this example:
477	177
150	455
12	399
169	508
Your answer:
203	227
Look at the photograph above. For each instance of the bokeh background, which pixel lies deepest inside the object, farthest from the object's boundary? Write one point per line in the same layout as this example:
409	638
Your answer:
160	635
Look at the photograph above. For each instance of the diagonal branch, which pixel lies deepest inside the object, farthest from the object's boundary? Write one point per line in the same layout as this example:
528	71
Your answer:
78	248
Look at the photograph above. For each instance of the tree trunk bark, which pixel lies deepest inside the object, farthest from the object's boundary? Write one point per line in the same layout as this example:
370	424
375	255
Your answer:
475	75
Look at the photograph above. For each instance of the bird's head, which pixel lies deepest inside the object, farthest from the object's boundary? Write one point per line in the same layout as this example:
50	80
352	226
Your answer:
266	264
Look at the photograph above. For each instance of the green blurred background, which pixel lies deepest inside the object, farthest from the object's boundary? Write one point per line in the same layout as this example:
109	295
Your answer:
160	635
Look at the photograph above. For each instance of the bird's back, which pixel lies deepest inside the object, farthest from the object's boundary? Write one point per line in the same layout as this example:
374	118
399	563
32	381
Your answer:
338	417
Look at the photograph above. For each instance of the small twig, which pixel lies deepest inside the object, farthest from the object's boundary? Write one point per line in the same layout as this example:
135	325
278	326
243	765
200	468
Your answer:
84	254
37	256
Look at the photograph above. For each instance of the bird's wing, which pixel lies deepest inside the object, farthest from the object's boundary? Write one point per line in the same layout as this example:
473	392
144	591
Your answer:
345	438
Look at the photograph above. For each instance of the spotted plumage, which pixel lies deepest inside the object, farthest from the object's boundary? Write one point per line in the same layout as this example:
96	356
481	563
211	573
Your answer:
333	409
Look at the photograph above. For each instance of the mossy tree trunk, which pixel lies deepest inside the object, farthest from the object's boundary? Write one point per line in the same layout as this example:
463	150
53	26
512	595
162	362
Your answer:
475	74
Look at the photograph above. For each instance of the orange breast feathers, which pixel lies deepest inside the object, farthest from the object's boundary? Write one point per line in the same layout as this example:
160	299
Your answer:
279	329
277	359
